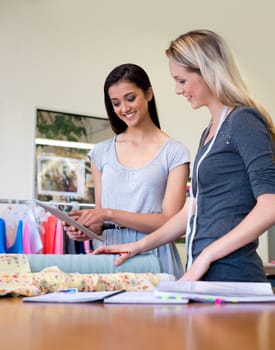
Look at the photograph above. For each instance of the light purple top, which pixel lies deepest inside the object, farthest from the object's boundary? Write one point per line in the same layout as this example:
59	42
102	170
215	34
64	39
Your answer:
139	190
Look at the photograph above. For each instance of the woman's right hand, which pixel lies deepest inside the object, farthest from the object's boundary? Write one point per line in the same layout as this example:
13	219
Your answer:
89	217
125	251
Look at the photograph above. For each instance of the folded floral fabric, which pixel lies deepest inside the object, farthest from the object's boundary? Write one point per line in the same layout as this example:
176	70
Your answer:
52	279
18	284
14	263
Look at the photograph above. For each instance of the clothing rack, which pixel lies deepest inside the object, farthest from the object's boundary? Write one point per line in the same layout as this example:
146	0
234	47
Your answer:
72	204
58	204
15	201
53	241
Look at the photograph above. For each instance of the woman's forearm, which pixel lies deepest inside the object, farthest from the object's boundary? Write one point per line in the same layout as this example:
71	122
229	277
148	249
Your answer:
141	222
174	228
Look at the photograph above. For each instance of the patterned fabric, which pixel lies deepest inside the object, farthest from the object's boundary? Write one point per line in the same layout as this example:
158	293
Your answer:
17	279
14	263
52	279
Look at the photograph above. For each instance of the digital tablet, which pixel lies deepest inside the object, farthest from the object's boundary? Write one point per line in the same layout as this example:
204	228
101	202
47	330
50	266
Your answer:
68	219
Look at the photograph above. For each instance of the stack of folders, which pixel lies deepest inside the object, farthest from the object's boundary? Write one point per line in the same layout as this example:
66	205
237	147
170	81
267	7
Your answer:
172	292
217	292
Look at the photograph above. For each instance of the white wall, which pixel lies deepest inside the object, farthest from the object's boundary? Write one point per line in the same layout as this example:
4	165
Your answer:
55	54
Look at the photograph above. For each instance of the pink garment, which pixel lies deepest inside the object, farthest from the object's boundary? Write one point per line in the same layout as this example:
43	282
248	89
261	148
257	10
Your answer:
58	244
26	240
87	246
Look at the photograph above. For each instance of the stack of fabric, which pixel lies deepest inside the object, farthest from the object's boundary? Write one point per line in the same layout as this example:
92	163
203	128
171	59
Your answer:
17	279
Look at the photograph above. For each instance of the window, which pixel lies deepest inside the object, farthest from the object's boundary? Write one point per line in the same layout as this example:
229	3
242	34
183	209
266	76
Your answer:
62	142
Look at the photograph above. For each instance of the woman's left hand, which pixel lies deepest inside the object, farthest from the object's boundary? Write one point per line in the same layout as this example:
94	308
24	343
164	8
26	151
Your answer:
196	271
77	235
125	251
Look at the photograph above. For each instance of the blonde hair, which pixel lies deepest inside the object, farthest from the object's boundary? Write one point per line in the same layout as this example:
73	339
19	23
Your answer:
207	53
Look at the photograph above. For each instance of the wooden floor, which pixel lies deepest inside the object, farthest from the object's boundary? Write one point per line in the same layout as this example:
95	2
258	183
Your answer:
195	326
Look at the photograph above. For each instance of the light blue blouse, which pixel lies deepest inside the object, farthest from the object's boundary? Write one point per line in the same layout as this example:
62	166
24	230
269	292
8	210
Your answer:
139	190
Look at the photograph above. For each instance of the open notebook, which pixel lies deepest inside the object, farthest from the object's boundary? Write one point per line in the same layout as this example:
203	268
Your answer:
68	296
112	297
134	297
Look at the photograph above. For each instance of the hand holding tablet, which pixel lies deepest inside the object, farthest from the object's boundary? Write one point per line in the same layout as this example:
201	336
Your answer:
68	219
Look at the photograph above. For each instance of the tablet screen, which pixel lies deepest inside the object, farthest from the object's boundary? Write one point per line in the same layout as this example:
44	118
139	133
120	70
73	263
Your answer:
68	219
